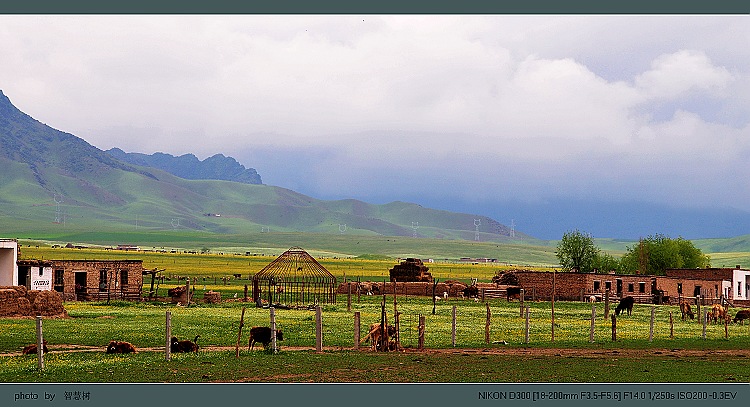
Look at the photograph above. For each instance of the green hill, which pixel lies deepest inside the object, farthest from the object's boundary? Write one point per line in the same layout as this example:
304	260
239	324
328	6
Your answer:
53	180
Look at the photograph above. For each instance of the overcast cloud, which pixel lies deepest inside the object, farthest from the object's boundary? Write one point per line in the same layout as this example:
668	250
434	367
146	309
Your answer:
475	109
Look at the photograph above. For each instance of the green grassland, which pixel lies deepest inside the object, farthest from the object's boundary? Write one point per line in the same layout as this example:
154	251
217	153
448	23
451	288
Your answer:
94	324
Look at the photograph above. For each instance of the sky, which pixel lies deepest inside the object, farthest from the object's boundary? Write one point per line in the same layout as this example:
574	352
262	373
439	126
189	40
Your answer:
617	125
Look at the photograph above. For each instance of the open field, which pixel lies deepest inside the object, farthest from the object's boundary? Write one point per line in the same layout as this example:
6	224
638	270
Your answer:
80	341
677	352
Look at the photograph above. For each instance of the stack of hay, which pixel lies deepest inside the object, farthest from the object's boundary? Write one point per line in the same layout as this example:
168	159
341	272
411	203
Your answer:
19	301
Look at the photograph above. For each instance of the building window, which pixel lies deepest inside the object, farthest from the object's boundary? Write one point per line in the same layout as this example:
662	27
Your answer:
59	281
679	288
102	280
641	287
123	278
608	285
630	287
597	285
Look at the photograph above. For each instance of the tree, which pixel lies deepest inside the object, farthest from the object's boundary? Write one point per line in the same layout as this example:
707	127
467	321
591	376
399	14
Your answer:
576	251
655	254
605	263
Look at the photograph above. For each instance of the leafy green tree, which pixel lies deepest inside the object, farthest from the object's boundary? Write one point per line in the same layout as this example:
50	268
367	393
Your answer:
605	262
655	254
576	251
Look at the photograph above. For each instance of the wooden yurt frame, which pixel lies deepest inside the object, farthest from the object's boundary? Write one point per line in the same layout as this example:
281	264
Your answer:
294	277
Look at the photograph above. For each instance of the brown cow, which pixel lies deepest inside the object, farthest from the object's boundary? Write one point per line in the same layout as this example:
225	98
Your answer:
32	349
717	313
178	346
374	335
686	310
120	347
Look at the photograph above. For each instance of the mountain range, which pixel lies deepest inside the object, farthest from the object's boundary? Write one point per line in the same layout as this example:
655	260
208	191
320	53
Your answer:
54	179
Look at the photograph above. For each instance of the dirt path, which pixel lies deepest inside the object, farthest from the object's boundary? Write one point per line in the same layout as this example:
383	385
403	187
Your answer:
514	351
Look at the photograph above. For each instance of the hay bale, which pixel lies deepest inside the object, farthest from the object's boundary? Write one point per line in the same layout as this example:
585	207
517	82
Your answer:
17	301
46	303
212	297
178	294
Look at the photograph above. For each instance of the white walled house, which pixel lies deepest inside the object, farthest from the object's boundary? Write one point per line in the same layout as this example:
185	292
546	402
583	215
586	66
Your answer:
740	284
8	262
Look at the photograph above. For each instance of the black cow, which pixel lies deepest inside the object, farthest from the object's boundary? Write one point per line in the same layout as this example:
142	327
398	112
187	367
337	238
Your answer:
262	334
513	292
178	346
741	316
625	304
471	291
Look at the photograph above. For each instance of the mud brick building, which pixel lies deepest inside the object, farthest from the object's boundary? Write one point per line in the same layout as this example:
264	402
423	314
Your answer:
83	280
730	283
644	288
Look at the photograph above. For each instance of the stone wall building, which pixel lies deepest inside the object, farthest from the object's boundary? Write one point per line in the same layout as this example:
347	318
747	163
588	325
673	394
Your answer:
78	280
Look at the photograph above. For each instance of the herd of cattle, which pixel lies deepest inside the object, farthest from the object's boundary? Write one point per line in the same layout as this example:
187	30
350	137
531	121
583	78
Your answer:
716	313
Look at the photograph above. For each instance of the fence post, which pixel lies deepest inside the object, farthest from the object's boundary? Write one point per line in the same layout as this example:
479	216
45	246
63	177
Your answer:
168	332
553	305
453	327
606	304
651	325
348	297
244	296
593	324
521	305
187	290
318	329
527	324
39	343
487	325
614	328
726	329
705	319
356	329
698	305
671	326
239	333
272	317
421	328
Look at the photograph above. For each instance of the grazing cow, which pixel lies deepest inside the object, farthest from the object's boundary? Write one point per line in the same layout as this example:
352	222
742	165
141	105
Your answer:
374	335
262	334
471	291
512	292
741	316
717	313
120	347
178	346
625	304
32	349
686	310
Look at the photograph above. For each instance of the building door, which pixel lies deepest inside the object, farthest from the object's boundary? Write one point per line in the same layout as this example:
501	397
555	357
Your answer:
80	281
23	276
619	287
